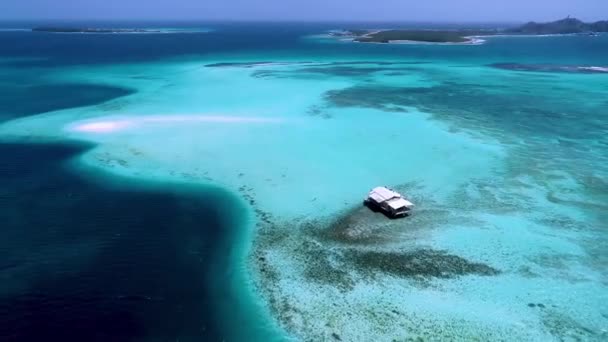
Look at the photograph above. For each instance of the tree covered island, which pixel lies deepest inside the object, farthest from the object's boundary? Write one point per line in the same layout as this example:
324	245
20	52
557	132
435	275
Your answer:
428	36
469	36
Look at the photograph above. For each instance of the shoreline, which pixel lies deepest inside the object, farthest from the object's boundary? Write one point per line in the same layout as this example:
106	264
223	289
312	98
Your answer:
416	42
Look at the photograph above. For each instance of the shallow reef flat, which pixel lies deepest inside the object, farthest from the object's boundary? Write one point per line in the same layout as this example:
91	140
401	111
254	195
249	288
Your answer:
507	170
458	270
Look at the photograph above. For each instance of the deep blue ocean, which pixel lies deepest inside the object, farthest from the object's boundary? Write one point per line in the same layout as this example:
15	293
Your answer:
84	263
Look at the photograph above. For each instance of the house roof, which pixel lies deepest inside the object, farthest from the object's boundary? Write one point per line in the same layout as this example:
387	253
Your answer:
397	203
381	194
394	200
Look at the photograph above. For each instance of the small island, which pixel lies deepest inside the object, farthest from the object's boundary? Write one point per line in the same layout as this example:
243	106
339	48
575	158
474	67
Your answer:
92	30
469	36
425	36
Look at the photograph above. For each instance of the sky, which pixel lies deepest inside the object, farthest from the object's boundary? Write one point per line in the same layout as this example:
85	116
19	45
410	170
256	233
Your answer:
308	10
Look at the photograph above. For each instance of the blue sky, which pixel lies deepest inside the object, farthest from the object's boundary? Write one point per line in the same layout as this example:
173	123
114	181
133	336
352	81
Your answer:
403	10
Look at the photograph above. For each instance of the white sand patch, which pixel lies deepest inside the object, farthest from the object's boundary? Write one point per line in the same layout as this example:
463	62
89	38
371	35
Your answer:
113	125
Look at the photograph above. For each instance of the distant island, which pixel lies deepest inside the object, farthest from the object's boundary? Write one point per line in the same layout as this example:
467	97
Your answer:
469	36
91	30
427	36
564	26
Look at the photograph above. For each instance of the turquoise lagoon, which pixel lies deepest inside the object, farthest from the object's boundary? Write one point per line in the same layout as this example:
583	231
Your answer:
508	169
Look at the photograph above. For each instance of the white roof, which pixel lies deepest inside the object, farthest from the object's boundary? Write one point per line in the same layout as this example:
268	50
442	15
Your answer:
383	194
397	203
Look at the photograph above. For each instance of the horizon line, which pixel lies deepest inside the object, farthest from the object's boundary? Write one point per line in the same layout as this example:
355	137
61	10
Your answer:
266	20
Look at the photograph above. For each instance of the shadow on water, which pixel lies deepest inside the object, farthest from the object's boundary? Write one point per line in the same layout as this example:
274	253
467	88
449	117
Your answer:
80	262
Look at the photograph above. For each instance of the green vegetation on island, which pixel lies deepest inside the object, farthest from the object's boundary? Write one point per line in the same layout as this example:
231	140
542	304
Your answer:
429	36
